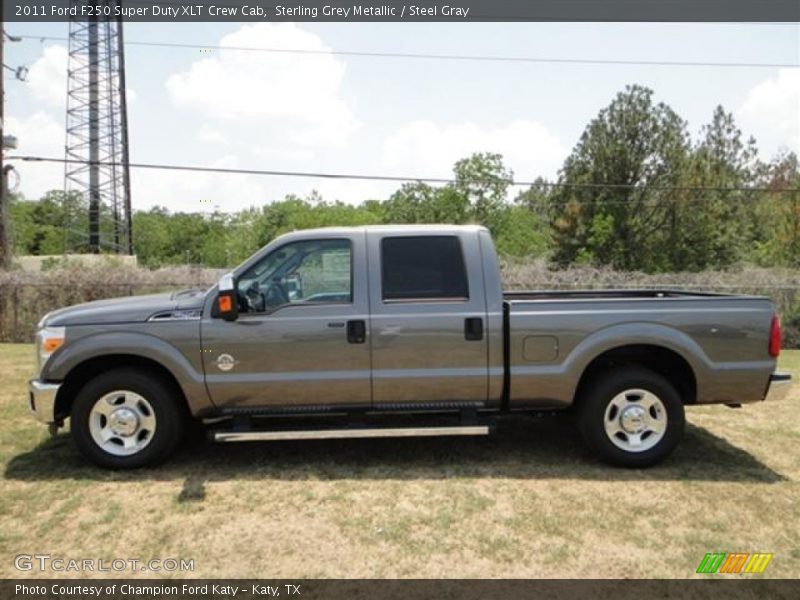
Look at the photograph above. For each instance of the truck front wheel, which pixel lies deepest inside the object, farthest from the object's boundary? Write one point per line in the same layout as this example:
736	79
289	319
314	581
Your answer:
630	416
126	418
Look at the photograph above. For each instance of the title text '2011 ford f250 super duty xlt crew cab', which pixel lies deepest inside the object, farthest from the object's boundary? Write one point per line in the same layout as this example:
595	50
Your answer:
347	328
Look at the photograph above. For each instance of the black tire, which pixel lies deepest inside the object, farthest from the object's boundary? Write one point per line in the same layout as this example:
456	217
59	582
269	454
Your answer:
161	396
595	400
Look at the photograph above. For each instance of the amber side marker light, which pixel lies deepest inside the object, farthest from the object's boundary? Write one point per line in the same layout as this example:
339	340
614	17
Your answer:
225	304
50	345
49	339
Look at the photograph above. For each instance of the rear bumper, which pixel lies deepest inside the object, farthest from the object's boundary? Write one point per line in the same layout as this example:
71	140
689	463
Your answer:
42	399
779	384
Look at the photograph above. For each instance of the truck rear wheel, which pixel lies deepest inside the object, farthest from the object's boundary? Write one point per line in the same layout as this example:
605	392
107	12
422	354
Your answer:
126	418
630	416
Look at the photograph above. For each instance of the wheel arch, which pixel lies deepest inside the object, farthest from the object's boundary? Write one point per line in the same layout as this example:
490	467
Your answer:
90	368
89	355
660	359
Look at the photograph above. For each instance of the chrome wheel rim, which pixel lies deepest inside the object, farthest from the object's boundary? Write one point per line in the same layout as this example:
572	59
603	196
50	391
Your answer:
122	423
635	420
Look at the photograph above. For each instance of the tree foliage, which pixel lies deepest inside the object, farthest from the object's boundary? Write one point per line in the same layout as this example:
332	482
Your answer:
777	214
611	204
635	193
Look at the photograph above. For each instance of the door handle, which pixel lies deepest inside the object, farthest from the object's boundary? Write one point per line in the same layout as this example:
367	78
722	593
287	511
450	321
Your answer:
473	329
356	332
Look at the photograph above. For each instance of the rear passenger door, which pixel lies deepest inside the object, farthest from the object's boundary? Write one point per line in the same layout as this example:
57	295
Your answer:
428	318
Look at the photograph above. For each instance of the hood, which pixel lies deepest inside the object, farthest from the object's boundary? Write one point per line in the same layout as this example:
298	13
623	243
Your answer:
131	309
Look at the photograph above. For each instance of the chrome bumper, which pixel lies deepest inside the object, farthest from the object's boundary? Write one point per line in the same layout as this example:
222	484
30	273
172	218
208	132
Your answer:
779	385
42	399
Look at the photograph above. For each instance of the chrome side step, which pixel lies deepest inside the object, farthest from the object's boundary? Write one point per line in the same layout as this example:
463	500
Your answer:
333	434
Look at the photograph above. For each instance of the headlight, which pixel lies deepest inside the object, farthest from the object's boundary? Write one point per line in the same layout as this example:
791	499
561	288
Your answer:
48	340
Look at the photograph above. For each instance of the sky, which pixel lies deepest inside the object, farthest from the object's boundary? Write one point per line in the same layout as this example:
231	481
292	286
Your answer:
392	116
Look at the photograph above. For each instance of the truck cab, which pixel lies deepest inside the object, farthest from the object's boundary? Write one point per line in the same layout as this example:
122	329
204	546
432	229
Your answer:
359	318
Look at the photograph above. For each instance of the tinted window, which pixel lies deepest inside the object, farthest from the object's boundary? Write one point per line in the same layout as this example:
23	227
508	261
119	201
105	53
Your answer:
429	267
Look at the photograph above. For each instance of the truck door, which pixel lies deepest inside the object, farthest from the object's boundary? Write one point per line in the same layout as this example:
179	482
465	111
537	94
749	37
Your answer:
428	318
301	335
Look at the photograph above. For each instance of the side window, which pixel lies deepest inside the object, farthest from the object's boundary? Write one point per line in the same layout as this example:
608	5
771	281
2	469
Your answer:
307	272
423	268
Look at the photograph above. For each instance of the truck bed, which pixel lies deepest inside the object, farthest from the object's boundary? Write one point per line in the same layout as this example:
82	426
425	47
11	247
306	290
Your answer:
717	343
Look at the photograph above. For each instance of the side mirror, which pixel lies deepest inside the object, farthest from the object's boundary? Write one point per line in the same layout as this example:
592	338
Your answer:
293	284
226	305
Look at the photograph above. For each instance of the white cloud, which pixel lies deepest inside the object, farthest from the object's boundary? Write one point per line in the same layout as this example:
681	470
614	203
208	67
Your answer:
263	151
41	135
352	191
210	135
47	78
197	191
773	107
423	148
420	148
38	135
292	98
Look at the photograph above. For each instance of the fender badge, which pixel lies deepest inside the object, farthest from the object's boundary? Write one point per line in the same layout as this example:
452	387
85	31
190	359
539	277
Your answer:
225	362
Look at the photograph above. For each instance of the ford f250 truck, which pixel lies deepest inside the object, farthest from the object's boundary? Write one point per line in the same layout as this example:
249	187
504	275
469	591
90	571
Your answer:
392	331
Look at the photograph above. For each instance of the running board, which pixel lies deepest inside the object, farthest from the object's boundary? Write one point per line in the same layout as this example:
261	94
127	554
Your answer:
333	434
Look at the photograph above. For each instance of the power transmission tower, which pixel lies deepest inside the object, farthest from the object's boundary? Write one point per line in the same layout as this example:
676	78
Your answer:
97	137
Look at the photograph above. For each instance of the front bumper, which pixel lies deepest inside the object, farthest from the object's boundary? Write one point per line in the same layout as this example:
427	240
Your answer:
779	385
42	398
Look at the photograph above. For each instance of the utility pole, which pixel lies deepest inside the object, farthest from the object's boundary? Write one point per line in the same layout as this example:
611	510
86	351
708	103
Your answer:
5	248
9	142
126	171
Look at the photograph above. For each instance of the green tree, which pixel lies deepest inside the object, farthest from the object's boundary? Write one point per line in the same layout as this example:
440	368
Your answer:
56	223
483	180
778	212
151	236
477	194
711	227
421	203
242	235
534	219
22	224
520	232
162	238
609	208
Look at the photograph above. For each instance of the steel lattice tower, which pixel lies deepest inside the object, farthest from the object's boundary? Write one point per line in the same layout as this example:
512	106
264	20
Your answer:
97	136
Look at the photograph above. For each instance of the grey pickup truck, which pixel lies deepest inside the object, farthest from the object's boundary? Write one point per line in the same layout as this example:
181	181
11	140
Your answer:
392	331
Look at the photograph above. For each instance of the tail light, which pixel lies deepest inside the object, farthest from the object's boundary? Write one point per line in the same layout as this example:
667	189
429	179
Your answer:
775	337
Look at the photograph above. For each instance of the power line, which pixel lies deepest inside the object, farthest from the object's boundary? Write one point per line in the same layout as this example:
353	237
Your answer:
397	178
451	57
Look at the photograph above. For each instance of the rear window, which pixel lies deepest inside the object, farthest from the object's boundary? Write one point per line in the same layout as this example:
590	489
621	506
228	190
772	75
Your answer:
423	268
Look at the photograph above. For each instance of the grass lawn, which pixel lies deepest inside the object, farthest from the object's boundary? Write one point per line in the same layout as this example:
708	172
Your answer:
530	502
